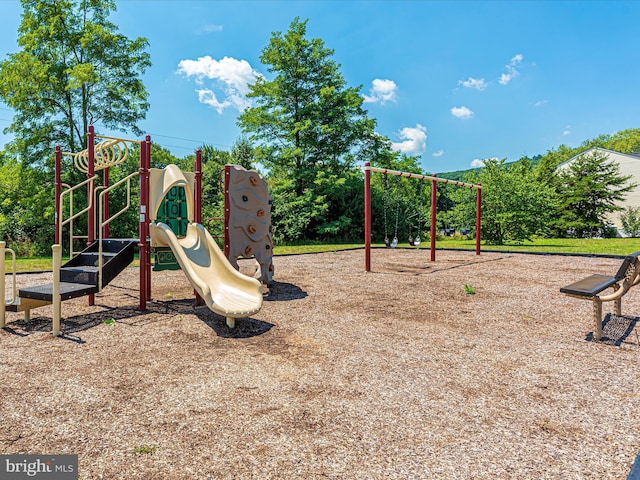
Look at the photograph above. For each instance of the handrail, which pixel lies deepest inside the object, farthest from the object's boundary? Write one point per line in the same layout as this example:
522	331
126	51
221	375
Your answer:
72	237
103	222
70	191
3	300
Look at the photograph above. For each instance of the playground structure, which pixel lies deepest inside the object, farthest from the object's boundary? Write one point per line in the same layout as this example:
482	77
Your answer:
434	181
170	204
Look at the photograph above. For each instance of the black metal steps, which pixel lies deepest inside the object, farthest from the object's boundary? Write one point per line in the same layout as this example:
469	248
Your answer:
67	291
117	254
80	275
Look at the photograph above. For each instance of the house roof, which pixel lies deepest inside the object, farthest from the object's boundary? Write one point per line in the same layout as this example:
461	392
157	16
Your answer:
635	156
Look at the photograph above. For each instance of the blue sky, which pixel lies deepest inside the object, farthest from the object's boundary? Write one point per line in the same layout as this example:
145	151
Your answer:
452	82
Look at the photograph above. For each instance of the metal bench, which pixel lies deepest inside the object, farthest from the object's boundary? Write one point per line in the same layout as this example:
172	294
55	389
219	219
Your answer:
592	288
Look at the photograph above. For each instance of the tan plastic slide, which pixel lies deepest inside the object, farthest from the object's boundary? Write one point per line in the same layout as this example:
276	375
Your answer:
225	291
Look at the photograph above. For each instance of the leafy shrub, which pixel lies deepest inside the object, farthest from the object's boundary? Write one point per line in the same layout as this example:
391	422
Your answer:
631	221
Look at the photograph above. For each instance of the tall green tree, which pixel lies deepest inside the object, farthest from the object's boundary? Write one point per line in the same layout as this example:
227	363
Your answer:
515	206
591	188
73	69
242	153
213	162
26	208
309	129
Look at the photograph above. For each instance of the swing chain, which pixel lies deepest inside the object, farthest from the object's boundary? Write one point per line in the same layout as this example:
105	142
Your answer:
416	241
394	242
385	194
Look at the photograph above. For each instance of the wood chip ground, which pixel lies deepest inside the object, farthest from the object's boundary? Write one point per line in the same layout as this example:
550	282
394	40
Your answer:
397	373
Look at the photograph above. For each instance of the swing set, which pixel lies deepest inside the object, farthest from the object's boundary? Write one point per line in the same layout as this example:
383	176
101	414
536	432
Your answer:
413	241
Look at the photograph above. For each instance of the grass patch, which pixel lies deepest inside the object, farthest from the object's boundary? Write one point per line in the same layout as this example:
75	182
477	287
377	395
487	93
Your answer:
602	246
313	248
145	449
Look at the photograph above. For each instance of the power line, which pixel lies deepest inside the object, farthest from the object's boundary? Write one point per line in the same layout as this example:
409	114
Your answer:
176	146
199	142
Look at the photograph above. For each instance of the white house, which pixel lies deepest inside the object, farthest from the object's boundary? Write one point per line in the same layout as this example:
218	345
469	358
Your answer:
629	164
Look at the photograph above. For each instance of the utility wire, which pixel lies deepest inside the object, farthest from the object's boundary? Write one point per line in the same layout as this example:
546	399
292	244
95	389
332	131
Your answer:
199	142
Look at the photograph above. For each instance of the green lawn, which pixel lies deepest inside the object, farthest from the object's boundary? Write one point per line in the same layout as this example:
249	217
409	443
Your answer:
605	246
608	246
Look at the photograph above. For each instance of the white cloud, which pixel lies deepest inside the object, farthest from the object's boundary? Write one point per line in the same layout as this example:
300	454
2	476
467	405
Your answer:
229	80
415	140
512	71
382	91
505	78
477	83
208	97
475	163
539	103
566	131
439	153
210	28
462	112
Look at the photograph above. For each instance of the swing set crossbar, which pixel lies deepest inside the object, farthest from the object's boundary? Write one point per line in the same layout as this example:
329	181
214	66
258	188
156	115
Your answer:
434	181
421	177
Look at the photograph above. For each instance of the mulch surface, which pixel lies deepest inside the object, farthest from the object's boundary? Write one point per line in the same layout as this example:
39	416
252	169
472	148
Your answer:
396	373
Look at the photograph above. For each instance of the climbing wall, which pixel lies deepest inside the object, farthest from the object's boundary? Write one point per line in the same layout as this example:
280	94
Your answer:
248	220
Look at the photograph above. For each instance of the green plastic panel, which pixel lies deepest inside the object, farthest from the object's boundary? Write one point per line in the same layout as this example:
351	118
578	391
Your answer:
174	212
164	259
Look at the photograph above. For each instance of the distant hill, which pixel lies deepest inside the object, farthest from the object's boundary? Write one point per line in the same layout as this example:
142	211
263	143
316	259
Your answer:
624	141
460	174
